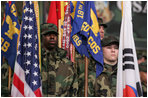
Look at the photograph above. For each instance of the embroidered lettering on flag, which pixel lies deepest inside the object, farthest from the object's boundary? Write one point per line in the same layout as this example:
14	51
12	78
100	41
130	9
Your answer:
85	32
67	31
9	33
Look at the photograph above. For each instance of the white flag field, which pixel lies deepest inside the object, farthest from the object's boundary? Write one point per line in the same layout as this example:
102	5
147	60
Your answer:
128	79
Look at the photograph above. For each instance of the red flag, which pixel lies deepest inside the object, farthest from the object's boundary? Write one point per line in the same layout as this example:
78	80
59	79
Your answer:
54	12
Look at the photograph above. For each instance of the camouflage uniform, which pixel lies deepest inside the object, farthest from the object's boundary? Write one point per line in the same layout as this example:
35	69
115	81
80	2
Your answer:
106	82
58	76
4	80
80	64
143	68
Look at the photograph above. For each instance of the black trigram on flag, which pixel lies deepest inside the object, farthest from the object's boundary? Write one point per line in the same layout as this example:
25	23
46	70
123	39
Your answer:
128	59
128	63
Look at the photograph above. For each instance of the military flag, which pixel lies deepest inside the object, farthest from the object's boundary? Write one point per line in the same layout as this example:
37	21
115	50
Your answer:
54	12
9	33
85	32
27	78
61	22
63	9
66	43
56	16
128	80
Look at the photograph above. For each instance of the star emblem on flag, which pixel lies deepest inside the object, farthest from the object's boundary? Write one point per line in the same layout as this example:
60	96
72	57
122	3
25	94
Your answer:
27	63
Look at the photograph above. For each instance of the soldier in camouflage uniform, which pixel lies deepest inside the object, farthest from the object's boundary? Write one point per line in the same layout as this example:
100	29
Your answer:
141	59
102	26
143	76
58	76
5	92
80	65
106	82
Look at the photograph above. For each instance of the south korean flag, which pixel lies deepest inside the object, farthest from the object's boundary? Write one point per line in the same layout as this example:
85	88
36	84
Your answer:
128	79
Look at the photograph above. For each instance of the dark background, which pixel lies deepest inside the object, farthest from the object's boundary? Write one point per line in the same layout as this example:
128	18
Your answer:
139	16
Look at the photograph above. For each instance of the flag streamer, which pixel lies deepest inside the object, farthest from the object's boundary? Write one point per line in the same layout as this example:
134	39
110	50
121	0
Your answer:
66	44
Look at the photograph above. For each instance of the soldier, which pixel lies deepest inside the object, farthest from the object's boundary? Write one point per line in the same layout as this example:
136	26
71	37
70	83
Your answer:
143	76
5	92
106	82
142	59
58	76
102	26
80	63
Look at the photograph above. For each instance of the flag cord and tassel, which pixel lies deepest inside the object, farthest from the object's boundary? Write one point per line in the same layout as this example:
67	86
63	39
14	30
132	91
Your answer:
86	78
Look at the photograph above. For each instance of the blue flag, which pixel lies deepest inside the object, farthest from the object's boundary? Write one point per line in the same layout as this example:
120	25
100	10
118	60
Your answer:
9	34
85	32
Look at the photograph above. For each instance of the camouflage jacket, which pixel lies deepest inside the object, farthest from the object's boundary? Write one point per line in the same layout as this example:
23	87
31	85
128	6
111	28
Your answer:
143	68
106	82
58	76
80	65
5	92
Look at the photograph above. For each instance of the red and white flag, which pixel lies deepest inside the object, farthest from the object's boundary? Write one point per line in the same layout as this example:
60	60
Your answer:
66	44
128	79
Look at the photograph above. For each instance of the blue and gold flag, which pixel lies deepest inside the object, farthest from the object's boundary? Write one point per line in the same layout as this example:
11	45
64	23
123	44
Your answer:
9	33
85	32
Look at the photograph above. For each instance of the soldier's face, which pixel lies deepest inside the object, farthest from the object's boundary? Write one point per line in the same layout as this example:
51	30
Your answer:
101	32
110	53
50	40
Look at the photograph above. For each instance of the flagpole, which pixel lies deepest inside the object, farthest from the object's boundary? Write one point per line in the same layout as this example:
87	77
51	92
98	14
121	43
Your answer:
59	31
122	7
73	53
86	78
9	75
9	78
